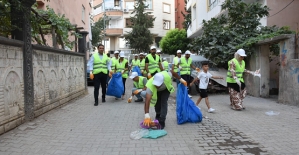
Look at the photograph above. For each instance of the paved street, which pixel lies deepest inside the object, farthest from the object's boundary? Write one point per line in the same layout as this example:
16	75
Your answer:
80	128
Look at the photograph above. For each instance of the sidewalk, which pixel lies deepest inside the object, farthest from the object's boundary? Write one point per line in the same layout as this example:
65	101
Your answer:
81	128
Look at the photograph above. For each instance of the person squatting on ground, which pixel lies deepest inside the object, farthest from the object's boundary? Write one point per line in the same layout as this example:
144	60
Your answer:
175	63
152	63
185	64
204	77
99	65
139	88
122	67
158	90
235	81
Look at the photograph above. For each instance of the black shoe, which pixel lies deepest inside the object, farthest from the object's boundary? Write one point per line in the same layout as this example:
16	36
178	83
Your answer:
162	125
139	100
96	104
103	100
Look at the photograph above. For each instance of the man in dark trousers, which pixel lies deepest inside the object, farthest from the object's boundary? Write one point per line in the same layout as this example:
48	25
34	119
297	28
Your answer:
99	66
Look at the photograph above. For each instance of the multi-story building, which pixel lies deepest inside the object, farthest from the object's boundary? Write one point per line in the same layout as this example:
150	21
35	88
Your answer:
179	18
77	11
118	13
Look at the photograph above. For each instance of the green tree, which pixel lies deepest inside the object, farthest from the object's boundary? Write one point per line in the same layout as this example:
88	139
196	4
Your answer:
187	17
173	40
241	28
140	37
96	31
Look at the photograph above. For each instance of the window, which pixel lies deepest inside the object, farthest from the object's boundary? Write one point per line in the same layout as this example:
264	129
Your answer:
166	8
83	13
193	12
130	5
149	4
212	4
166	24
128	23
116	2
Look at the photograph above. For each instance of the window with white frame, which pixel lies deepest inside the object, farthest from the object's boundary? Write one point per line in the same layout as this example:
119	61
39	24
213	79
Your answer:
212	4
83	13
149	4
166	24
130	5
166	8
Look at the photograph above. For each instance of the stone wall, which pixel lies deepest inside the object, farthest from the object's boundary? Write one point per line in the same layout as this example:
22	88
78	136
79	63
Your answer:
59	76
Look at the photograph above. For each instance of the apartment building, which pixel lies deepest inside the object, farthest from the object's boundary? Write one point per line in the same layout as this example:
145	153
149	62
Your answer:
179	18
118	13
77	11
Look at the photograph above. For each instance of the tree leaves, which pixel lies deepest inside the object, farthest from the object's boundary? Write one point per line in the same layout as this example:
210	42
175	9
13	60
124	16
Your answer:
174	40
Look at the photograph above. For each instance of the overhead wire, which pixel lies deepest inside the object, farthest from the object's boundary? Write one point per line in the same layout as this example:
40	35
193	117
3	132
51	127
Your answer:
282	9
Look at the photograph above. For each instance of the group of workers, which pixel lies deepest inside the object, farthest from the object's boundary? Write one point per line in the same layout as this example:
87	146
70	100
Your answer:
155	83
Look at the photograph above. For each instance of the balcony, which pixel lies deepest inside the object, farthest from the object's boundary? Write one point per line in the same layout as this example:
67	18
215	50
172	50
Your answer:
97	3
112	13
188	6
114	31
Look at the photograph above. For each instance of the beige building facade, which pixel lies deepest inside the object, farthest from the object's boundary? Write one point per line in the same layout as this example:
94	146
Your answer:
118	13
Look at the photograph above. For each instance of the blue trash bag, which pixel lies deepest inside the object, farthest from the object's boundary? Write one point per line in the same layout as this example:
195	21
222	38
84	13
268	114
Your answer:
137	69
115	86
186	110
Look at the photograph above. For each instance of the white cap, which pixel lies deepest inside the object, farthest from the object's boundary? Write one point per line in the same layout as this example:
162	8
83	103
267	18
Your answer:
158	51
145	53
241	52
158	79
141	53
116	52
153	47
136	55
133	75
178	51
164	59
121	54
187	52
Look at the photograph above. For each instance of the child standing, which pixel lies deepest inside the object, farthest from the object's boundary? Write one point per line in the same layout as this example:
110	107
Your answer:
203	78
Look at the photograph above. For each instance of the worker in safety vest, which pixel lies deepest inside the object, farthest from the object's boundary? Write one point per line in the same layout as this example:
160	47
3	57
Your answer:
185	65
158	90
99	65
114	61
122	67
142	64
175	63
139	88
153	63
165	64
135	61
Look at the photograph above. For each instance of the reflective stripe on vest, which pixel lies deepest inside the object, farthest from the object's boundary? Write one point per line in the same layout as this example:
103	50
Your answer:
165	64
153	88
140	84
185	70
153	64
135	62
100	65
239	71
121	66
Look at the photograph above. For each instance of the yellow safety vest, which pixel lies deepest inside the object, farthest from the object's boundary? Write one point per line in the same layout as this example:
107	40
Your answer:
239	71
140	84
113	62
153	88
100	65
121	66
175	63
153	65
185	70
165	64
135	63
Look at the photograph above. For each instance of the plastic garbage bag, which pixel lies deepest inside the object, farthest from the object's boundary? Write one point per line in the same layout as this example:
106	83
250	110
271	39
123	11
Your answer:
154	134
272	113
137	69
186	110
115	86
153	125
139	133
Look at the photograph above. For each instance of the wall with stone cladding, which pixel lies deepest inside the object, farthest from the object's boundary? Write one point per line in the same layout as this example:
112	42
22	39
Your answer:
59	76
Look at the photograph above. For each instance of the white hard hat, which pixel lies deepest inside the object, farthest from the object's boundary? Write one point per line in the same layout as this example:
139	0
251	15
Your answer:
187	52
241	52
153	47
178	51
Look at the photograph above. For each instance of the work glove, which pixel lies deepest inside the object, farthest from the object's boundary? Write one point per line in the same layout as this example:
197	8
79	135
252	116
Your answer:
197	69
147	120
110	73
180	67
183	82
130	99
149	75
122	72
137	91
142	71
91	76
237	81
256	73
